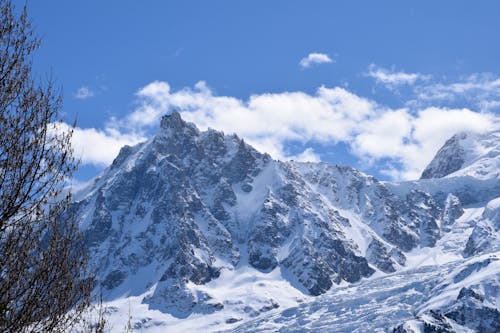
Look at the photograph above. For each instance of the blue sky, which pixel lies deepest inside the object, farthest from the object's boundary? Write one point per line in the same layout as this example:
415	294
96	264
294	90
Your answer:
377	85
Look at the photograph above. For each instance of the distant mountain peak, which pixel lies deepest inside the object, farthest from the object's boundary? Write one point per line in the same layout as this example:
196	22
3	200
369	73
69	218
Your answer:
448	159
467	154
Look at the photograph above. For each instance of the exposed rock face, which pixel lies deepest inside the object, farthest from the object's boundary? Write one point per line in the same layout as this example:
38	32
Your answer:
172	296
452	211
424	212
405	221
467	312
377	254
450	158
475	308
432	322
485	236
475	155
470	311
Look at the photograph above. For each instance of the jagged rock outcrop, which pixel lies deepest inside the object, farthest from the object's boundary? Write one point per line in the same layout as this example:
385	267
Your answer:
449	158
485	236
467	312
475	307
378	255
452	210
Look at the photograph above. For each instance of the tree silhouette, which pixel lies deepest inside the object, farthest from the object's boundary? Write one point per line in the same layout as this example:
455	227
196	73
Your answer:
44	284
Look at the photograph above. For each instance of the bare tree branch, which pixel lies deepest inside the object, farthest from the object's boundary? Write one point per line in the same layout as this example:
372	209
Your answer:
44	282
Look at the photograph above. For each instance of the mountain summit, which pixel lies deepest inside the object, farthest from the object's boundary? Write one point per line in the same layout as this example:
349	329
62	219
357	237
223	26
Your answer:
476	155
199	231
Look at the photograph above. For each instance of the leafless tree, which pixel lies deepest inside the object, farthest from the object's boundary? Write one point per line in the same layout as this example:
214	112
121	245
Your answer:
42	263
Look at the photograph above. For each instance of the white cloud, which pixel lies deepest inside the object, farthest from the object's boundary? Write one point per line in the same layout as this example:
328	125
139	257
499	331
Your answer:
383	136
84	93
483	90
405	140
99	147
308	155
313	59
391	78
267	121
413	140
331	115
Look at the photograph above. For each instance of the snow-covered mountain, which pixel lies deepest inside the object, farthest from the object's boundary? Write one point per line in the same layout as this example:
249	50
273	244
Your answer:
197	231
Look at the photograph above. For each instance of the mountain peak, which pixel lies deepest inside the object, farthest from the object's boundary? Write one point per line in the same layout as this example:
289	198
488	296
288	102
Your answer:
172	120
466	153
448	159
173	123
